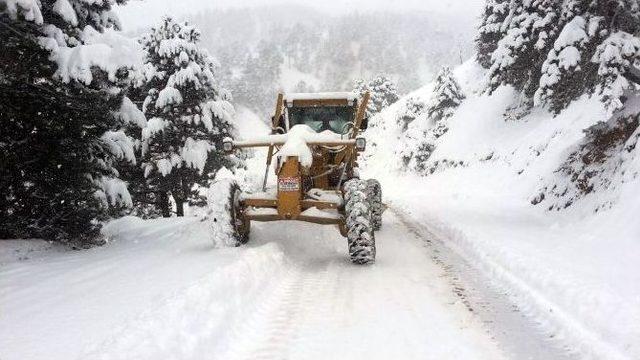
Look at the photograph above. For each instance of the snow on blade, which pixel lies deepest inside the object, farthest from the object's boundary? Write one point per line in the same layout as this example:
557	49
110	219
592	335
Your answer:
326	214
295	142
295	145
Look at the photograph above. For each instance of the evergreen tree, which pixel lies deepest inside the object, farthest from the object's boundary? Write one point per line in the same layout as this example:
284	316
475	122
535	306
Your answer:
60	137
614	56
144	201
419	141
530	29
555	52
490	30
383	93
189	115
411	110
447	96
361	86
416	146
592	53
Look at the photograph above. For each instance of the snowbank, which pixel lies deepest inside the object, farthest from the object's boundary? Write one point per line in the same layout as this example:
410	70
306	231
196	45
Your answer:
154	288
574	270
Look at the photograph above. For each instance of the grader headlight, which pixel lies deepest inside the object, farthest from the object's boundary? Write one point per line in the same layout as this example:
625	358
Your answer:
361	143
227	145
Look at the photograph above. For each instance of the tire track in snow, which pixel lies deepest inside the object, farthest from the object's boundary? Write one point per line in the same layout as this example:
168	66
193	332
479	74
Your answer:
328	308
298	300
293	294
192	322
265	333
519	335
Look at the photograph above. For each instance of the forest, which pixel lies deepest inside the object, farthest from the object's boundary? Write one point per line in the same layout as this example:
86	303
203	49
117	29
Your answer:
474	195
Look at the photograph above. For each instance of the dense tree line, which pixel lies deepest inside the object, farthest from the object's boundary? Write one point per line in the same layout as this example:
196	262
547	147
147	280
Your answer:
556	51
75	95
61	137
260	46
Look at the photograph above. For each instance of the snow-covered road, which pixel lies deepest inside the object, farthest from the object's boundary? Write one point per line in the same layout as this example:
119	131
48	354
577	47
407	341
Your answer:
325	307
160	290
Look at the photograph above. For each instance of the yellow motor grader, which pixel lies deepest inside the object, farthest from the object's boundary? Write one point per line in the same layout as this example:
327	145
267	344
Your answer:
315	141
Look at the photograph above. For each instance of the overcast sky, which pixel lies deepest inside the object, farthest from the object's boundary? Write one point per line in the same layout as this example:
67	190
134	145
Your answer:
138	13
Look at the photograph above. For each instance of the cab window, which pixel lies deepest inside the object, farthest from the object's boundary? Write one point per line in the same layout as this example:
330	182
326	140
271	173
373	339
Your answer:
332	118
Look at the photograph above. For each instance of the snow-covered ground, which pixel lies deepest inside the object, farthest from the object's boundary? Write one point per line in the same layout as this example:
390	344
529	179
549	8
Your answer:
159	289
573	271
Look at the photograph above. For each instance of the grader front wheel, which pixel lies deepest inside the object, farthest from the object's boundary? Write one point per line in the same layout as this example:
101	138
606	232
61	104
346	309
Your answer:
229	225
374	190
358	213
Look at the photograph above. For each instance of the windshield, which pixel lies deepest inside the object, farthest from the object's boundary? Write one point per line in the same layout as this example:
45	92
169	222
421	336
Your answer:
333	118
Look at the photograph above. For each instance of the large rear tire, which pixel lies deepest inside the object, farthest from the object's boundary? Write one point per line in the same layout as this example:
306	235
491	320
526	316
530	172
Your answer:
375	196
360	236
228	224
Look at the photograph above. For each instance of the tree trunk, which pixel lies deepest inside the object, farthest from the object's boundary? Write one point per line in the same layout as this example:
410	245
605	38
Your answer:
179	206
163	200
184	194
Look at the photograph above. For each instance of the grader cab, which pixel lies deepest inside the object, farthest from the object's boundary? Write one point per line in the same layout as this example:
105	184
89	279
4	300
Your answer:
314	148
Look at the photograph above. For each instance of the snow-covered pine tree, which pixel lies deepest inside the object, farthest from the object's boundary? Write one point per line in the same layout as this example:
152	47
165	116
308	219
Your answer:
143	197
530	28
566	68
420	139
412	108
597	53
383	93
490	30
416	145
189	114
60	103
447	96
361	86
592	53
615	56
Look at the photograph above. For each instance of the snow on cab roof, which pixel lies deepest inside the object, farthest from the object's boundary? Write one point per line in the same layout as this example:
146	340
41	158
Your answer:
349	96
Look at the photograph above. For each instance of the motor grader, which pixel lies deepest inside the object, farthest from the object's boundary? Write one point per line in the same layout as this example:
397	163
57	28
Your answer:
315	142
